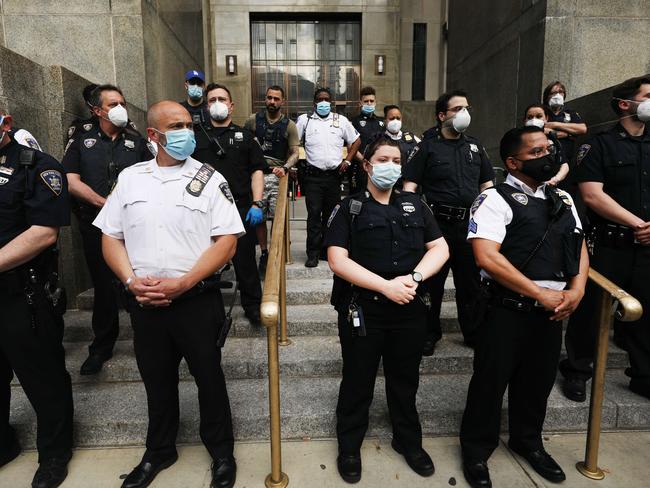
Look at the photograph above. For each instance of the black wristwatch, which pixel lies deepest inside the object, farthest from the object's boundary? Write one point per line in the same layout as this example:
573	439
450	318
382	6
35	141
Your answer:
259	203
417	276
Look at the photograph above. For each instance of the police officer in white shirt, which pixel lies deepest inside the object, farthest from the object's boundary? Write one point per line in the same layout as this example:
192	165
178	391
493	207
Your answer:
169	225
323	134
528	241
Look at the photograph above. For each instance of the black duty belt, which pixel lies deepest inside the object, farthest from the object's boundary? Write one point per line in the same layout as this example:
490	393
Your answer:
12	281
502	296
612	235
449	212
312	170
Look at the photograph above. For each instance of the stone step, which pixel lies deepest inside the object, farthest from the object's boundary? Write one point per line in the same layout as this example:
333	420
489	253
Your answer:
299	292
307	356
113	414
302	320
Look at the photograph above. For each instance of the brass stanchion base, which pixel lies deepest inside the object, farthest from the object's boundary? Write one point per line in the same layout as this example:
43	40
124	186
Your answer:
285	343
284	481
598	474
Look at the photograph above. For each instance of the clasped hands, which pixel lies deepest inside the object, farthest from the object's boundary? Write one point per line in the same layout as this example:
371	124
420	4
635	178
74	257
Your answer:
561	303
642	233
401	289
151	291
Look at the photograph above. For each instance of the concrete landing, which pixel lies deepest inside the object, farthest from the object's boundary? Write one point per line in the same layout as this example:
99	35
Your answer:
313	464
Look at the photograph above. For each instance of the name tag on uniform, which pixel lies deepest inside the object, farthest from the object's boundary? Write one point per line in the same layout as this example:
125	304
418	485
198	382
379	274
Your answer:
567	117
239	136
5	170
201	178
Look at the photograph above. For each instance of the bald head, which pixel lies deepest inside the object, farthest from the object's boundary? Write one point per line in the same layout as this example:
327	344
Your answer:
168	115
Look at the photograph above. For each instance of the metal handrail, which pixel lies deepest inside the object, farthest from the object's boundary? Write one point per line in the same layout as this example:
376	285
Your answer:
274	307
629	309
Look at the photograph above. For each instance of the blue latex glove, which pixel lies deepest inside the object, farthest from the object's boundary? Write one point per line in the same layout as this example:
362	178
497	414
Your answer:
254	216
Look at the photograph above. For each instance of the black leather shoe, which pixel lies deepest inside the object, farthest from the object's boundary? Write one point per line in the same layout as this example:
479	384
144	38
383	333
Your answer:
574	388
428	347
418	460
50	473
542	462
11	453
311	262
349	467
93	364
224	473
253	316
145	472
477	474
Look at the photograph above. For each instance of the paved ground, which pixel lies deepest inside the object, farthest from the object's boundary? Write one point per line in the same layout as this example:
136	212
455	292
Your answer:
312	464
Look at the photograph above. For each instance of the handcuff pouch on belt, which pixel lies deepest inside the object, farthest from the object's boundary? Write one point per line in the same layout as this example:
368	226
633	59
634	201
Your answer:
611	235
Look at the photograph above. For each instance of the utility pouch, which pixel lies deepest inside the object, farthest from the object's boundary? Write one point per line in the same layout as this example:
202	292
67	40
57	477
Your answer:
355	317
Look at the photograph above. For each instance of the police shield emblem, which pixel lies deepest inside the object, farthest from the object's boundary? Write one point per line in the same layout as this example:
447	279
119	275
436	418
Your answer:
52	178
473	148
239	136
129	144
408	207
87	127
567	117
521	198
90	143
362	123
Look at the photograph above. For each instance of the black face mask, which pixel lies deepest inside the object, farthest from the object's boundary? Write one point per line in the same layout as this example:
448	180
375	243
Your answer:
541	169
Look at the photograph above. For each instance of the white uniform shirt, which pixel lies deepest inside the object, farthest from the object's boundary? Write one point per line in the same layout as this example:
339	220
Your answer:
25	138
490	214
166	229
325	138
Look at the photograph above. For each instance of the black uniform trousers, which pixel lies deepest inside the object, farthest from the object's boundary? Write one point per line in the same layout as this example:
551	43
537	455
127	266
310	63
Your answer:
518	350
105	320
245	265
629	268
322	194
400	349
33	351
466	280
188	329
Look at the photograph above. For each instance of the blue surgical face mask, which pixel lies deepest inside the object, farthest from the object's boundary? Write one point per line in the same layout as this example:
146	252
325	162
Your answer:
385	175
194	92
180	143
323	108
368	109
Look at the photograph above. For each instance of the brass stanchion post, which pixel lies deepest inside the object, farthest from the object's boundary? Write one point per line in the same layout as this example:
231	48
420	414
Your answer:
589	467
277	479
287	232
284	340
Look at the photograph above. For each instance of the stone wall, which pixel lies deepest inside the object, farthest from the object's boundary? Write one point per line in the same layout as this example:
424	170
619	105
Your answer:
110	41
496	54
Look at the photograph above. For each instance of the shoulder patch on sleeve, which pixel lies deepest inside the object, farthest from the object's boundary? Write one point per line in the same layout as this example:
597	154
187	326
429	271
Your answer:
472	227
67	146
54	180
31	142
71	130
477	203
333	214
225	190
582	152
413	153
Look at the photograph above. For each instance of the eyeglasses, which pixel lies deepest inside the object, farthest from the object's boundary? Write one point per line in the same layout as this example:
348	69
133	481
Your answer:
540	151
457	109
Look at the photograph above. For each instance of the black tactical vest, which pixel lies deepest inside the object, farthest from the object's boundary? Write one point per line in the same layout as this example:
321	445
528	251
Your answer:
272	137
558	257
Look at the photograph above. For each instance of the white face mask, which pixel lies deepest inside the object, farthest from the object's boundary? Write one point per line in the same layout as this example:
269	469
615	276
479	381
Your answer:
394	126
118	116
219	111
460	122
556	101
535	122
643	111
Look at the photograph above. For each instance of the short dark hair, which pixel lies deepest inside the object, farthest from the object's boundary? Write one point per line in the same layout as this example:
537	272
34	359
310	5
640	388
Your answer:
388	108
321	90
512	140
379	139
96	93
214	86
547	112
88	91
442	104
546	94
627	90
367	90
276	88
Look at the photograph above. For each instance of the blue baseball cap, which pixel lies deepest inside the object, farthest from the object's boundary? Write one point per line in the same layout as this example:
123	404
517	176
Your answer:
195	73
